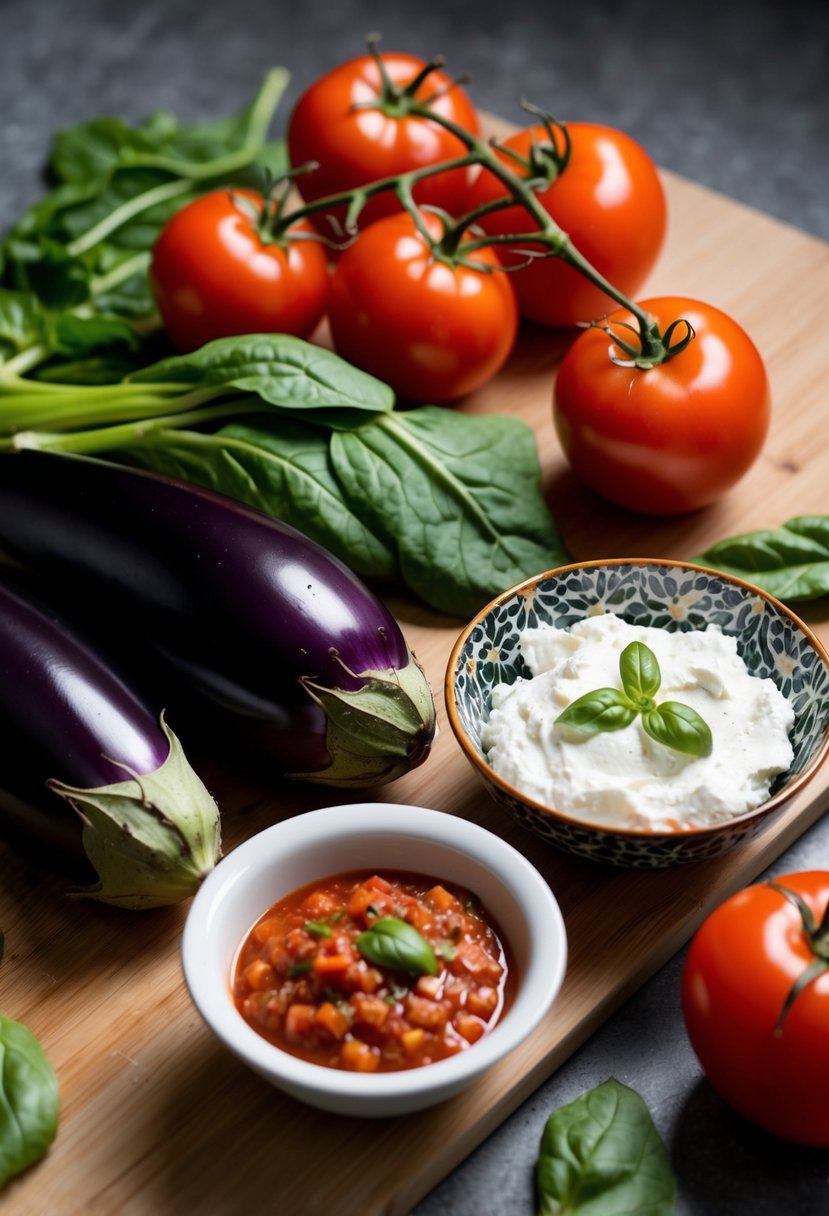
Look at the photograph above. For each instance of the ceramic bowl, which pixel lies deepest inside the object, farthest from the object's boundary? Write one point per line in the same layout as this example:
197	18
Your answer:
673	595
373	836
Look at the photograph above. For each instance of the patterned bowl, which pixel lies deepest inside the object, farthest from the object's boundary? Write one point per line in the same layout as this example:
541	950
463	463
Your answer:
672	595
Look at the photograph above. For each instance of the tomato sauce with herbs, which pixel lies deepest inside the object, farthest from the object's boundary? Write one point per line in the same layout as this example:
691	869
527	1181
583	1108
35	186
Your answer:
314	976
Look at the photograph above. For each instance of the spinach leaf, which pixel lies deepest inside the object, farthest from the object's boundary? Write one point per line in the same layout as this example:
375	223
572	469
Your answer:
457	496
115	186
281	370
790	562
28	1100
22	321
284	470
390	942
602	1156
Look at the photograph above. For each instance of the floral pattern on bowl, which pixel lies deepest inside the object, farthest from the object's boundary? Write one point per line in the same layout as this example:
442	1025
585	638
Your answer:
771	640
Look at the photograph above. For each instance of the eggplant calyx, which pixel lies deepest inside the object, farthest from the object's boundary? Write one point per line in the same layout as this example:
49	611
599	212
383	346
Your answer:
377	732
152	838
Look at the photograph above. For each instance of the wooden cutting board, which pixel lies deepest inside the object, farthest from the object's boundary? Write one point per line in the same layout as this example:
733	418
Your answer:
155	1115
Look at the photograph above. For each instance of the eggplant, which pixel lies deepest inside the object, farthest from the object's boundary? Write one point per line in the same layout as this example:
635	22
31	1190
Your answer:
259	621
74	731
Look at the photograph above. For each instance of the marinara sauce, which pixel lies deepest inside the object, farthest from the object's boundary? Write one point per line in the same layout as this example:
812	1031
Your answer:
304	977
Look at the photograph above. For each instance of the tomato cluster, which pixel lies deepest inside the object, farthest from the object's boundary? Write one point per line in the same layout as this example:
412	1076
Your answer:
440	244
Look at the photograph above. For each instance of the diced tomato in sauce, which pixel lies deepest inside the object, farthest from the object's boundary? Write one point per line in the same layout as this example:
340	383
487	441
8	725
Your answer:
300	981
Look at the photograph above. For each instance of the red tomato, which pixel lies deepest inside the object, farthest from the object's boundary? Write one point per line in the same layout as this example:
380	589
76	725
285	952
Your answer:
432	330
673	437
608	198
740	970
213	275
354	143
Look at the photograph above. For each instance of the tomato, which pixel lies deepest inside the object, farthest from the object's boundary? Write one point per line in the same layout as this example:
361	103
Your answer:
738	975
353	142
432	330
609	200
672	437
213	275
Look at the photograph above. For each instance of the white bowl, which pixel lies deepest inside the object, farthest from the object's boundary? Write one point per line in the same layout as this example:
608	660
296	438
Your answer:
373	836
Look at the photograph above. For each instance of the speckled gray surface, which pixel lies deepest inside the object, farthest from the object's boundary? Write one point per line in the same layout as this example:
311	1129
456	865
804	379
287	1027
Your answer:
734	95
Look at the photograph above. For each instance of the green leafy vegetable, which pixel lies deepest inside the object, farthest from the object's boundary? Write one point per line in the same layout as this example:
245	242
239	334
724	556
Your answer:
28	1100
675	725
84	248
394	943
790	562
281	370
602	1156
458	498
281	468
428	496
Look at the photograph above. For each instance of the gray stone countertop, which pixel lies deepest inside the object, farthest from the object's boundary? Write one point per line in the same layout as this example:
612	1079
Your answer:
733	95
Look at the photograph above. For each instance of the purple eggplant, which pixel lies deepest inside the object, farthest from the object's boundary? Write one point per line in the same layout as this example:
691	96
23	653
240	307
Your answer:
73	731
260	621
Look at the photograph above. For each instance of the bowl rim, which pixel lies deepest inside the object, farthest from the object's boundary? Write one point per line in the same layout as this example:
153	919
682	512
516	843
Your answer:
691	832
539	982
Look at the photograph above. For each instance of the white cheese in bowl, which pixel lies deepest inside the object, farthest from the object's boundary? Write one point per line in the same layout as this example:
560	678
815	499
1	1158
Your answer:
625	778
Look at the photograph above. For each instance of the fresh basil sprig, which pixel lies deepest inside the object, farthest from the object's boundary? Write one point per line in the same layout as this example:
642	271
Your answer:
390	942
671	723
602	1154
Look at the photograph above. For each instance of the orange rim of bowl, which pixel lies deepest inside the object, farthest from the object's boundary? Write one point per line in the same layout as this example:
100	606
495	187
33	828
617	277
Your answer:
788	791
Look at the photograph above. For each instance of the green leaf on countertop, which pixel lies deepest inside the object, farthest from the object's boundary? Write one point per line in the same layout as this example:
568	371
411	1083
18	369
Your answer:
28	1100
457	496
283	469
602	1156
790	562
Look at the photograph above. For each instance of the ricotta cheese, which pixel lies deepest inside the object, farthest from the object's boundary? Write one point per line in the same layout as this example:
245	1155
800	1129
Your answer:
624	778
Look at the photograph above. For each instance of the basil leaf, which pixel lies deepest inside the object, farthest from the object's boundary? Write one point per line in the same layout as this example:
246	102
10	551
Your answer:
28	1099
282	370
790	562
604	709
639	669
394	943
318	928
457	496
281	469
680	727
602	1154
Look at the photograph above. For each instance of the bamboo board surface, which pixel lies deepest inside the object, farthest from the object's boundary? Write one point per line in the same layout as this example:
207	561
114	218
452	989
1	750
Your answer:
155	1116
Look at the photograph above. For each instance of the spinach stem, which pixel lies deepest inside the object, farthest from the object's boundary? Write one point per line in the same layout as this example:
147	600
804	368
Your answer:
79	408
127	434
